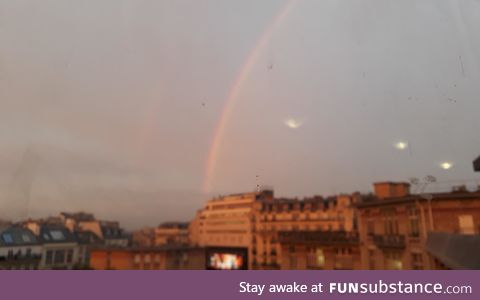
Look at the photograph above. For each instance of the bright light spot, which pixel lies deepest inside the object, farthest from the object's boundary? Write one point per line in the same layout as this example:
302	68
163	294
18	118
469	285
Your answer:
446	165
293	124
401	145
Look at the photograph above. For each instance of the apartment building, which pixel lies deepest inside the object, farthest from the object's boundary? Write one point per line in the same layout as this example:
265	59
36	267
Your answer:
148	258
283	220
60	249
171	233
320	250
399	230
168	233
19	249
226	222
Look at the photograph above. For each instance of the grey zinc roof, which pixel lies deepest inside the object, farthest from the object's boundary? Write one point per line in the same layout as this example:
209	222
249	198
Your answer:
56	234
17	236
456	251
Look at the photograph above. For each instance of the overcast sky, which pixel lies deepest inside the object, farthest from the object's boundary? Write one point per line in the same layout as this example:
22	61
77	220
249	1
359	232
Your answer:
111	106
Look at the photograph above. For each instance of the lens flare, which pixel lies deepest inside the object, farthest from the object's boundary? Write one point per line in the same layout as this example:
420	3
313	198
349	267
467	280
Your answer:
401	145
293	124
446	165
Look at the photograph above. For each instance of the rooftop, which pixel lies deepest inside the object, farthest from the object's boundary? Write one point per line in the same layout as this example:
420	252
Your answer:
179	225
456	251
78	216
17	236
50	234
373	201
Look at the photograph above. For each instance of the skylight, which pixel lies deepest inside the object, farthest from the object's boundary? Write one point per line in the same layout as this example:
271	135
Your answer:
57	235
7	237
26	238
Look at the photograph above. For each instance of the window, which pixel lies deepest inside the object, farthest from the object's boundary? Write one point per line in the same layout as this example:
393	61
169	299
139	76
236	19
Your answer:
293	261
136	259
393	260
370	227
417	261
315	258
147	258
7	238
59	257
26	238
57	235
70	256
413	214
49	257
466	224
28	253
371	259
390	222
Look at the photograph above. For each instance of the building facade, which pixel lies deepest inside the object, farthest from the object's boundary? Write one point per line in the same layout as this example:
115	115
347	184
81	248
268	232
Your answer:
19	249
399	230
283	216
320	250
60	249
227	221
148	258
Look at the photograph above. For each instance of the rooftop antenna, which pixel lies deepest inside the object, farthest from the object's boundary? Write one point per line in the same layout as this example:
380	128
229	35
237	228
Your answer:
258	184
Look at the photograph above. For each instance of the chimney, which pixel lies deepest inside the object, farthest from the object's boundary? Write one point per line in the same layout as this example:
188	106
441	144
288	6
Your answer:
385	190
476	164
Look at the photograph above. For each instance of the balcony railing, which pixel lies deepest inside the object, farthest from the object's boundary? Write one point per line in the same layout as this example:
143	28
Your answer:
17	257
389	241
319	237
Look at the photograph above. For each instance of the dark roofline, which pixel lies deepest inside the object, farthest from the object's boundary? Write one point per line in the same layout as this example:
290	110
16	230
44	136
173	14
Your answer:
170	247
420	197
13	231
174	224
391	182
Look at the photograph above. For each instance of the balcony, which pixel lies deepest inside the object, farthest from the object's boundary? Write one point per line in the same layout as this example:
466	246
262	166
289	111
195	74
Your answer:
334	238
389	241
16	257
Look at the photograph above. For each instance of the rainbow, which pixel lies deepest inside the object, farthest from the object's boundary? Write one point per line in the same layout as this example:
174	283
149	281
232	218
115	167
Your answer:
235	89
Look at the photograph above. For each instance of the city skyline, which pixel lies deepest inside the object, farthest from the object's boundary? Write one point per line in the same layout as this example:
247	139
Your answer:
393	228
160	106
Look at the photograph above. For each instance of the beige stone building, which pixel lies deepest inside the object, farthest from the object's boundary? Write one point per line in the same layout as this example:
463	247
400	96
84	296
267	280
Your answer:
389	229
253	221
226	222
168	233
290	217
320	250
